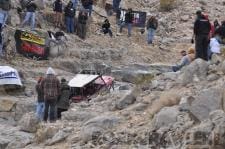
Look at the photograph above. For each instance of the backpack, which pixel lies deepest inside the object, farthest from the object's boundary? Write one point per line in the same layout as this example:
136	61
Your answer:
5	4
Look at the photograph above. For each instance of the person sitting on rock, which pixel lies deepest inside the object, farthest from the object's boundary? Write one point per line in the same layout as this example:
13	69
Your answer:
214	45
186	59
40	100
82	21
221	31
106	28
63	100
30	14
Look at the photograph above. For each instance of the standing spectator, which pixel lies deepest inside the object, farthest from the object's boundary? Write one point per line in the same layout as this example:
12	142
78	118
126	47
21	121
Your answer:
152	25
88	4
1	40
51	89
128	22
201	32
82	22
118	20
40	100
116	5
75	3
63	101
57	8
5	6
70	17
30	14
106	27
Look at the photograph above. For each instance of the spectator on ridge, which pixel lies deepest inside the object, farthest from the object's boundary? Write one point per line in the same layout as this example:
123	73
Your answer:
88	5
30	15
51	88
152	25
186	59
70	17
63	100
75	3
106	28
116	5
128	22
1	40
57	8
201	32
221	30
82	22
40	100
5	6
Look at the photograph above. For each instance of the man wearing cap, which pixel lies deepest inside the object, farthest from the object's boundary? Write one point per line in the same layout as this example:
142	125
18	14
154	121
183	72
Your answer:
201	32
51	89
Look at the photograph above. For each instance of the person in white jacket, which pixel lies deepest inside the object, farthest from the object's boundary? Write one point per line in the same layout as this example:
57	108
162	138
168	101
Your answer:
214	46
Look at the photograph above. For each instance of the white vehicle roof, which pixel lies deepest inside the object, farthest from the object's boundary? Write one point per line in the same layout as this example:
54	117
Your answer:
80	80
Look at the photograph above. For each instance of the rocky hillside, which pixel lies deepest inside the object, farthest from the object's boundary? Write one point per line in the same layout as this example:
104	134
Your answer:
150	107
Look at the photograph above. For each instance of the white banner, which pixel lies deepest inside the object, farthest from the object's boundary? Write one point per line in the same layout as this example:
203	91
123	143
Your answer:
9	76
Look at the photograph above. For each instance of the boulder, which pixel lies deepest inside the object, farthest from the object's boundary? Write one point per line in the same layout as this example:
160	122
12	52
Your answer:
128	99
22	107
95	127
14	18
165	117
197	69
12	138
45	132
223	67
6	105
4	143
29	123
77	115
58	137
167	4
207	101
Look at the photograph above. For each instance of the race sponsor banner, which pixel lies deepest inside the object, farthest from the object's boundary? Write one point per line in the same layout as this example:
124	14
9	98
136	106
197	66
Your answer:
9	76
139	18
31	45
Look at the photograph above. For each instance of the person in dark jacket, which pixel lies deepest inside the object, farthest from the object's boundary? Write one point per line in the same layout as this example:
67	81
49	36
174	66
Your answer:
82	22
116	5
201	32
63	100
106	27
128	22
51	88
221	30
151	26
40	100
69	15
57	8
30	14
88	5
